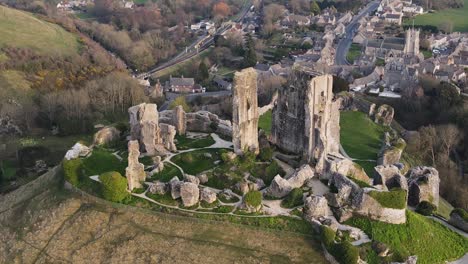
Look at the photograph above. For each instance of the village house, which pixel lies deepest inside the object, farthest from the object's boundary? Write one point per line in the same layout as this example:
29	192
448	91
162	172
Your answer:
222	84
183	85
394	18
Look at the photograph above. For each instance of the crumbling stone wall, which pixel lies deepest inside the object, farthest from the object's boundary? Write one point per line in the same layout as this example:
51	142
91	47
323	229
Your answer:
306	118
245	111
135	171
145	127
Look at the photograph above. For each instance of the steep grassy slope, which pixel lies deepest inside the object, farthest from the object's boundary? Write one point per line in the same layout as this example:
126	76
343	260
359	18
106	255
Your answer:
57	226
24	30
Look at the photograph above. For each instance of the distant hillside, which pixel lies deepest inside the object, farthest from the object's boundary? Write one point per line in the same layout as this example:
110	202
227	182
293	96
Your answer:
24	30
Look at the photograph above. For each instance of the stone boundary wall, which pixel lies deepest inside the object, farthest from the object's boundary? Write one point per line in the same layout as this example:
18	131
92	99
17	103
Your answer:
51	178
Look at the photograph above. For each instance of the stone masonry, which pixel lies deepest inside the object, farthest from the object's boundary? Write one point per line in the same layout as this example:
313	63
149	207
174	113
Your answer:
245	111
306	118
135	171
154	138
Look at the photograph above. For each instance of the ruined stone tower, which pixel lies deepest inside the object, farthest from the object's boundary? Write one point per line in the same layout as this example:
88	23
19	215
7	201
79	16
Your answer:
306	119
154	138
412	42
245	111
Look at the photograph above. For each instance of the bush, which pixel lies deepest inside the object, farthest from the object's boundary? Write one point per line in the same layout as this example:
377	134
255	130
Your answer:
343	252
395	198
293	199
461	212
182	102
266	154
327	236
253	198
114	186
271	171
425	208
72	170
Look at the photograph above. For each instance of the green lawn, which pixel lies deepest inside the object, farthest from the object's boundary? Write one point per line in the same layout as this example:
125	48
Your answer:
197	161
167	174
360	136
456	16
184	142
427	53
353	53
264	122
429	240
102	161
22	29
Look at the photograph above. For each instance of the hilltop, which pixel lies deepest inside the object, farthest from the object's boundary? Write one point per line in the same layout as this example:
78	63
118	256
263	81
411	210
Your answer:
24	30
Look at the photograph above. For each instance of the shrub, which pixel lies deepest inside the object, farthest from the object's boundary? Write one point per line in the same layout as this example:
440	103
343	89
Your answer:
247	161
253	198
425	208
266	154
72	170
182	102
395	198
327	236
345	253
461	212
293	199
114	186
272	170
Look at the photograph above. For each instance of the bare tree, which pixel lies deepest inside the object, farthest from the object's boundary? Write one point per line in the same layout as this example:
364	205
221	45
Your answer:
449	136
428	137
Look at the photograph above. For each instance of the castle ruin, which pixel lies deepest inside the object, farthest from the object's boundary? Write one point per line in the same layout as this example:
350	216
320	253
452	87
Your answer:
306	118
245	112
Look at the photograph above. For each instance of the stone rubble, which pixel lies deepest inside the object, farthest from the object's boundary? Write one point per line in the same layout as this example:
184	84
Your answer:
158	165
189	193
207	195
106	135
78	150
174	186
315	206
158	187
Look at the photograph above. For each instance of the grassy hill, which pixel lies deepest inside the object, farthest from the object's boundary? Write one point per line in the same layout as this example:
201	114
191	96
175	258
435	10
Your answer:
22	29
457	16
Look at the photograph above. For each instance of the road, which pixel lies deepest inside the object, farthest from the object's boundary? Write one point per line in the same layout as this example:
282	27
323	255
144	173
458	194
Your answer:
351	28
203	43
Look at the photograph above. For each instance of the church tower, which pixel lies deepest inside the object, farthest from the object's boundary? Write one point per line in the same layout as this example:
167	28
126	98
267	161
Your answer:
412	42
